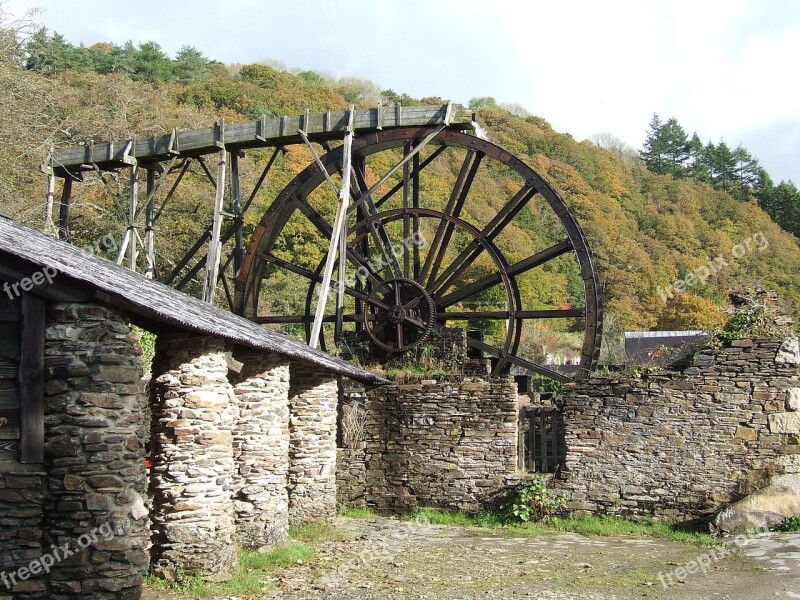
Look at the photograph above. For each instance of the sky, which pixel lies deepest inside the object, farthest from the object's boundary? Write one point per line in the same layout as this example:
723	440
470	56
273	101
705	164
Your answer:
725	69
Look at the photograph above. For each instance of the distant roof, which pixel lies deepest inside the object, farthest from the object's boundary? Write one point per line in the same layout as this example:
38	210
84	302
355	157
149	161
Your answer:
150	300
661	334
665	348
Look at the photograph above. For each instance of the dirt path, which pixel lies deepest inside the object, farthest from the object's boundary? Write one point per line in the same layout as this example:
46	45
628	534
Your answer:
389	559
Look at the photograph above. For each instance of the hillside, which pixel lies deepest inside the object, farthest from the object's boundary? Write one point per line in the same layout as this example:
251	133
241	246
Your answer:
647	230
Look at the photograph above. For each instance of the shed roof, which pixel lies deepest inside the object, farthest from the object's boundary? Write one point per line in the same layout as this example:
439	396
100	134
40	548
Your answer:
24	250
664	348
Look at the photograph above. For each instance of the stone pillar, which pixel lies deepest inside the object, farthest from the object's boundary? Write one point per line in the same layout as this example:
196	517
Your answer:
193	417
312	444
22	495
95	524
261	450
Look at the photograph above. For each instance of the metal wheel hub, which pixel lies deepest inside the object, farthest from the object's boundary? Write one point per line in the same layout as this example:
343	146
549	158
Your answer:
399	314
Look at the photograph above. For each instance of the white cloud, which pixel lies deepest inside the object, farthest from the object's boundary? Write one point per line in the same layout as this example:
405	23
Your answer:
722	68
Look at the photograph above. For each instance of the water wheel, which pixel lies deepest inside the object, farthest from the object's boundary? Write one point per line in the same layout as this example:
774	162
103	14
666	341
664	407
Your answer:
447	241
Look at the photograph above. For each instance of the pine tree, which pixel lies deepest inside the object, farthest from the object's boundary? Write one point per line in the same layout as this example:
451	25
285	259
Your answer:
675	147
697	168
652	150
666	148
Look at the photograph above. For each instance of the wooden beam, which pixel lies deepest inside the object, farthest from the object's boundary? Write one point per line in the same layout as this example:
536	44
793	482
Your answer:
31	379
258	133
214	244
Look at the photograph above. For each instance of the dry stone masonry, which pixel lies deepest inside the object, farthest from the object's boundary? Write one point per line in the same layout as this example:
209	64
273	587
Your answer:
448	444
312	445
94	455
683	444
261	450
193	418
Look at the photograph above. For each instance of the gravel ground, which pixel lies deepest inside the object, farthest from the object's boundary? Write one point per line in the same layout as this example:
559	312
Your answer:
388	559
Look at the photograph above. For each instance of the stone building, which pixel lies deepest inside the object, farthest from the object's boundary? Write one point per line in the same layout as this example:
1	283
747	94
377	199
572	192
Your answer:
239	425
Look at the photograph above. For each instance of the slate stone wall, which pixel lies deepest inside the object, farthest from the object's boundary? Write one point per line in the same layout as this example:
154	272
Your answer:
312	444
94	455
261	450
684	444
448	444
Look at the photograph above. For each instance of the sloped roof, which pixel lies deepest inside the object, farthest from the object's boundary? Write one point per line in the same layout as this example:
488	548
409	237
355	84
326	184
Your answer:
154	301
663	348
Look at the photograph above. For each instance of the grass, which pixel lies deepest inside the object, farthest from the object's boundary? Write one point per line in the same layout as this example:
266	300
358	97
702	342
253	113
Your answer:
255	571
358	513
584	525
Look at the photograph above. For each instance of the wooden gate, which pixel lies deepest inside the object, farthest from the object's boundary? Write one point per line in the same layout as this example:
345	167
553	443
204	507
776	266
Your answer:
10	350
541	439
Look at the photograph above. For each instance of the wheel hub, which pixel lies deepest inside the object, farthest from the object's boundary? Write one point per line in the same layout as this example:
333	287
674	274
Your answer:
399	314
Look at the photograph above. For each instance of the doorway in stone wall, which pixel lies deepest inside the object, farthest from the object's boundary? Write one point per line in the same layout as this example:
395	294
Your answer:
541	447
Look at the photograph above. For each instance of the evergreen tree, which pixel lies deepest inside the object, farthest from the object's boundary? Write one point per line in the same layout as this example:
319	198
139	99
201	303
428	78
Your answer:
666	148
652	151
697	168
675	147
190	66
151	64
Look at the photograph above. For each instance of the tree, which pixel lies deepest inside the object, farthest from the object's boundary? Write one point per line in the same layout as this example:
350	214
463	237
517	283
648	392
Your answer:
476	103
697	168
190	66
666	148
722	164
150	63
689	311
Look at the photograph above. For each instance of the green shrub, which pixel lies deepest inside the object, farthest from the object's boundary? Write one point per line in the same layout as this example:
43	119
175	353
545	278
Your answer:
533	500
790	524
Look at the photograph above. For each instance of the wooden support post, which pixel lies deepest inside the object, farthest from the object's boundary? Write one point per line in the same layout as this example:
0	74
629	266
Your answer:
543	440
236	194
339	231
130	234
347	172
31	380
530	464
149	247
214	244
63	212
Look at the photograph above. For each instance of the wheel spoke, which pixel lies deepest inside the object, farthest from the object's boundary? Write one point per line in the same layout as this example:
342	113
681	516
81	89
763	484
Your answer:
415	171
375	226
457	197
316	277
325	228
516	360
517	268
291	319
562	313
467	256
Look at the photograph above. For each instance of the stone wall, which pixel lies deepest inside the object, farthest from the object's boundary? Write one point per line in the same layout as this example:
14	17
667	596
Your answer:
193	417
312	444
94	454
261	450
683	444
22	493
450	445
351	477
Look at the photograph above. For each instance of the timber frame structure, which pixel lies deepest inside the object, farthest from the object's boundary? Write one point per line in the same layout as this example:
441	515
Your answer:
396	303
